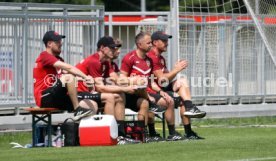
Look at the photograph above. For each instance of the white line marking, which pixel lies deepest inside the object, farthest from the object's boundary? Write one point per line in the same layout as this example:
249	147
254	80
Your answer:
255	159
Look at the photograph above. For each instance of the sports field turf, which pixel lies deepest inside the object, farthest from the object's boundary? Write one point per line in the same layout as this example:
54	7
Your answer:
221	144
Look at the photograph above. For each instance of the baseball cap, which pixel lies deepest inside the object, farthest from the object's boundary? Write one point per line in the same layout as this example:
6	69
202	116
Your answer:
52	36
160	35
107	41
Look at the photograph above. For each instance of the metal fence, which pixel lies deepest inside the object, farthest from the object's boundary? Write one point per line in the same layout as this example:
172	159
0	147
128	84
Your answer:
21	30
228	62
131	23
230	51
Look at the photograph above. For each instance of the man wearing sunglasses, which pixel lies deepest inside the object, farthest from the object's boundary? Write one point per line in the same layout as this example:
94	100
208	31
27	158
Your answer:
96	65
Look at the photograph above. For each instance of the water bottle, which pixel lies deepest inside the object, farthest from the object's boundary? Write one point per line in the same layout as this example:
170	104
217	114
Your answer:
46	141
59	138
62	140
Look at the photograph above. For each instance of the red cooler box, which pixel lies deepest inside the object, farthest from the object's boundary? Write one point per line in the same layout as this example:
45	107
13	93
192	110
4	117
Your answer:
98	130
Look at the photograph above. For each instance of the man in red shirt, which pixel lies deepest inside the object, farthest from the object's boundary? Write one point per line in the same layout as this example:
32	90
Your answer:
180	86
136	65
96	65
54	80
113	71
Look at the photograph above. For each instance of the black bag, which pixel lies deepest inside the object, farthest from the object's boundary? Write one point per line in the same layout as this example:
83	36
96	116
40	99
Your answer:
135	130
70	130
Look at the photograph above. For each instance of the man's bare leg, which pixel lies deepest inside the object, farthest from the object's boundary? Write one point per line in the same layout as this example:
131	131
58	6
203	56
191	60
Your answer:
69	81
143	106
186	121
109	100
181	86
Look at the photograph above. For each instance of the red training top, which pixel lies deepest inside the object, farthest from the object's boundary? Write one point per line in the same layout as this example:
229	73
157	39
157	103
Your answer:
45	74
92	66
113	68
159	63
135	66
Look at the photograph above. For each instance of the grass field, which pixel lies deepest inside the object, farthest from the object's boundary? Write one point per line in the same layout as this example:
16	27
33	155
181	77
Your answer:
221	144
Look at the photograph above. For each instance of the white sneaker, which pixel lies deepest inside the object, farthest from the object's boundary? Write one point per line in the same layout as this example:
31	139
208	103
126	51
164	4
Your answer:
194	112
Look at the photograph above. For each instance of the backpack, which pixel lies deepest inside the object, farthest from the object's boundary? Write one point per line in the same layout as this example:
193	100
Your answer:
70	130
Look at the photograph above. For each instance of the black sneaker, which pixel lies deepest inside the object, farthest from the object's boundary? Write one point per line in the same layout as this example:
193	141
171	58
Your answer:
194	112
175	137
157	138
193	136
81	112
153	107
124	140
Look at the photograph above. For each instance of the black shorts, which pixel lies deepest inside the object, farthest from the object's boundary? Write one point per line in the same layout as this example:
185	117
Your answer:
176	99
169	87
56	97
87	95
156	96
131	101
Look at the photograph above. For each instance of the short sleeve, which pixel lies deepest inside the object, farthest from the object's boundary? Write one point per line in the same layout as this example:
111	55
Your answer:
126	65
95	69
48	60
157	65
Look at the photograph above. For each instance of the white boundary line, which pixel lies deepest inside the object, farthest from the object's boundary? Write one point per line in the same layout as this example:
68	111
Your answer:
256	159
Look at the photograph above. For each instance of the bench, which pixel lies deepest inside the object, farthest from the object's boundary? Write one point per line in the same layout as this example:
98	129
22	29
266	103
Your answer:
44	115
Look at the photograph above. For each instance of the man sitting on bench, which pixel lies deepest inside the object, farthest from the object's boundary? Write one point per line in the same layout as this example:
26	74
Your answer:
55	81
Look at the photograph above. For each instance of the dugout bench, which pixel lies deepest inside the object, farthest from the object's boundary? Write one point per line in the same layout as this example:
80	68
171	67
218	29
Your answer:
44	115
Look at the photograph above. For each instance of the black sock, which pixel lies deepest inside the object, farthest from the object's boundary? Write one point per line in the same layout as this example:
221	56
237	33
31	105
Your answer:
188	104
171	129
151	128
187	128
121	128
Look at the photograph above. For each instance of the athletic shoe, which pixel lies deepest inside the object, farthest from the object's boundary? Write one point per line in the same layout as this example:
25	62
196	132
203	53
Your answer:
193	136
153	107
81	112
157	138
175	137
149	139
124	140
194	112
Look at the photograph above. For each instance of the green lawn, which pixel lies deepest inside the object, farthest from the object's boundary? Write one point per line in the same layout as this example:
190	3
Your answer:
221	144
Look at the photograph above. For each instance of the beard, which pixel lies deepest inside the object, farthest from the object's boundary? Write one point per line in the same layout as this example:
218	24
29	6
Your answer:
146	50
164	49
56	52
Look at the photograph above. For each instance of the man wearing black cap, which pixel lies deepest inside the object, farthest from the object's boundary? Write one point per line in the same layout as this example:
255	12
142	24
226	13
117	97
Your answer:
96	65
54	88
113	73
180	86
